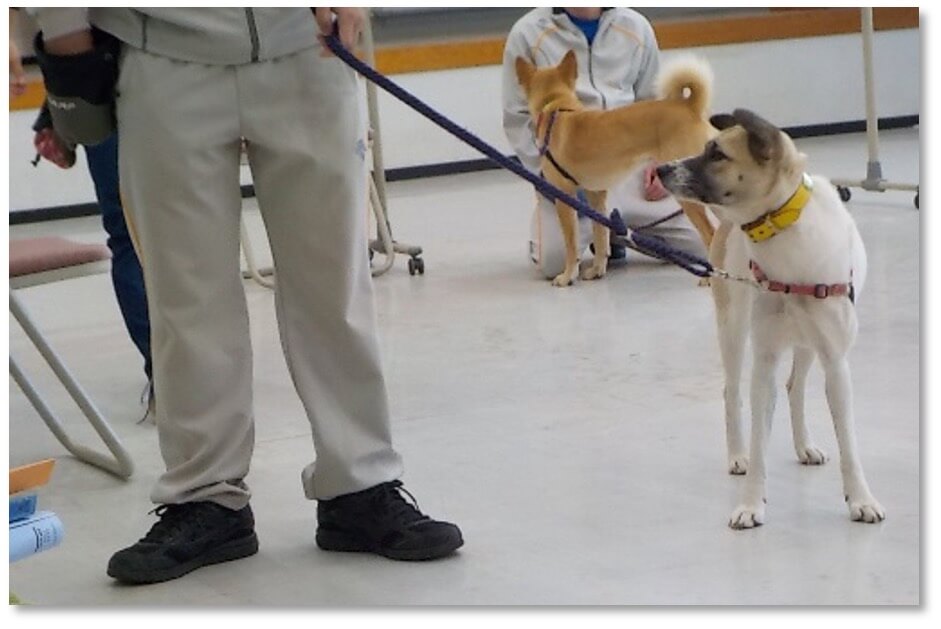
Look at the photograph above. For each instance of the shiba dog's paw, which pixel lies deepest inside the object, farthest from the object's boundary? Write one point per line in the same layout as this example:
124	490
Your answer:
811	455
563	279
747	516
595	272
867	509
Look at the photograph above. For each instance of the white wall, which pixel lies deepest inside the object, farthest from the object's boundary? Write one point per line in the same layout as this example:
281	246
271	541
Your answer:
790	82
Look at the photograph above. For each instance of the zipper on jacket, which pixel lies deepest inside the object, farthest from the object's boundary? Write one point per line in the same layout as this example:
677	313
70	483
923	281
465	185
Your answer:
591	79
253	33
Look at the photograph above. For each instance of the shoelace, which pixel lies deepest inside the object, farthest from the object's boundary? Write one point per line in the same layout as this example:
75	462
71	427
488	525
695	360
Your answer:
389	499
174	519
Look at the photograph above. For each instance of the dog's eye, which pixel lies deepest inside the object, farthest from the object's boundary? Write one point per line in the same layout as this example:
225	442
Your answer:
714	153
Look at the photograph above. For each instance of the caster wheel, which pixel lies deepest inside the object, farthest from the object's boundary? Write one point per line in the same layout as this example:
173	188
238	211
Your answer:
416	265
844	192
916	201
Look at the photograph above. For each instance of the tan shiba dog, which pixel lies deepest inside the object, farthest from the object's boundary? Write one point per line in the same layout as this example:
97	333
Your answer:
593	150
791	232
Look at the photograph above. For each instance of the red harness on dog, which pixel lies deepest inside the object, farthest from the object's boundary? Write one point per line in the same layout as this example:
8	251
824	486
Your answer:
820	291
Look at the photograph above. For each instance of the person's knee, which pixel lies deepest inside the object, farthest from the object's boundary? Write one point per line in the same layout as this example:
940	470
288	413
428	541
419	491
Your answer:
550	262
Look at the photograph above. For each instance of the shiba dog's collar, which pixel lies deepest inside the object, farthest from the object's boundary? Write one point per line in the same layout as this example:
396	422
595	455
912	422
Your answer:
549	124
770	224
544	149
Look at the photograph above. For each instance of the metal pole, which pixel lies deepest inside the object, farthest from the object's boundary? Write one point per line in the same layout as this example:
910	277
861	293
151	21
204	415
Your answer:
873	167
384	242
873	181
121	465
379	171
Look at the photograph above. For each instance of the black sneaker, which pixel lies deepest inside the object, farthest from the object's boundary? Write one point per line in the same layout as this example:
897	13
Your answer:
379	520
618	251
188	536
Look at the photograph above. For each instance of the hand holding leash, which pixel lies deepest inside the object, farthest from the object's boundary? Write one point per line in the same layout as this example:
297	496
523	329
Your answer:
348	26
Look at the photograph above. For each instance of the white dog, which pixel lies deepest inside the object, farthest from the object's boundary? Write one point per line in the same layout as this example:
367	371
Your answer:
791	233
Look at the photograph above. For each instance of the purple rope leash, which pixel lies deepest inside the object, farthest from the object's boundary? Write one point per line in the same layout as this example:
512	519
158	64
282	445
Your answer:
695	265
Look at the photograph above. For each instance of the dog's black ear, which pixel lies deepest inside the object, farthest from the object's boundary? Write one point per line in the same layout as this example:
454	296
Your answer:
569	68
722	121
764	139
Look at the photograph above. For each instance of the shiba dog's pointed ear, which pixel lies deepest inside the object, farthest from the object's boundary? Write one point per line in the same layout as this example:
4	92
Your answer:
723	121
524	72
568	68
764	139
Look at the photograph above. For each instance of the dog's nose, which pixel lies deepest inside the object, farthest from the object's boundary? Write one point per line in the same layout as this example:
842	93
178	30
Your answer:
664	171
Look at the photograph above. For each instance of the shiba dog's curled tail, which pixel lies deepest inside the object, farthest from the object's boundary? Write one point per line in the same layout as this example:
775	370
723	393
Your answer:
687	78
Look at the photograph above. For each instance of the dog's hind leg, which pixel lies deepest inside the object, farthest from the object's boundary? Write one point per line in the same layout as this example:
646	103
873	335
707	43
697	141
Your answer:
601	238
830	327
860	501
807	452
568	221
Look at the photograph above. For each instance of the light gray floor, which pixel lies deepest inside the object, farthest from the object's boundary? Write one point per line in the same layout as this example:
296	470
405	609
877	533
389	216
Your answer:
575	435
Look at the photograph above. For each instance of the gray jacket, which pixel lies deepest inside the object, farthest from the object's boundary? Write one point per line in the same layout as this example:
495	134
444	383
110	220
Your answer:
618	68
215	36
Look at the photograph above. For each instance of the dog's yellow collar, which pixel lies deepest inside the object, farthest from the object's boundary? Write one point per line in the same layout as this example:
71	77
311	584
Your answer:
768	225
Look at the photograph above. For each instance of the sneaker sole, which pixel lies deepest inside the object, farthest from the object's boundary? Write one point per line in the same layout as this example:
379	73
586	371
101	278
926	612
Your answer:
340	542
230	551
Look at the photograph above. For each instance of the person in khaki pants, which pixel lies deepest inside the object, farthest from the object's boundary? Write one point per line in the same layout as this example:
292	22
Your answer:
192	83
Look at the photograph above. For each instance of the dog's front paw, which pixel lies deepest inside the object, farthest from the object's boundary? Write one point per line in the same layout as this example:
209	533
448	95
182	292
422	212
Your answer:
811	455
704	281
738	465
747	516
866	510
595	272
562	280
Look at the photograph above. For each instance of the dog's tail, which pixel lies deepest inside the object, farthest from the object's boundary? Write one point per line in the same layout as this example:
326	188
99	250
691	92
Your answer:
687	78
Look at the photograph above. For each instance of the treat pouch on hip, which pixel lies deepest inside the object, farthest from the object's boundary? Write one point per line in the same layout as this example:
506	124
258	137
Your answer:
80	89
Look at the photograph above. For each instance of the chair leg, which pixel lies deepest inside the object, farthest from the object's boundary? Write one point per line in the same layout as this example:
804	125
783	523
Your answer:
248	251
384	244
121	464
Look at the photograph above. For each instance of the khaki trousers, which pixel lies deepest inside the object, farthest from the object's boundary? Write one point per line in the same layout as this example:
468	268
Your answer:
180	126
